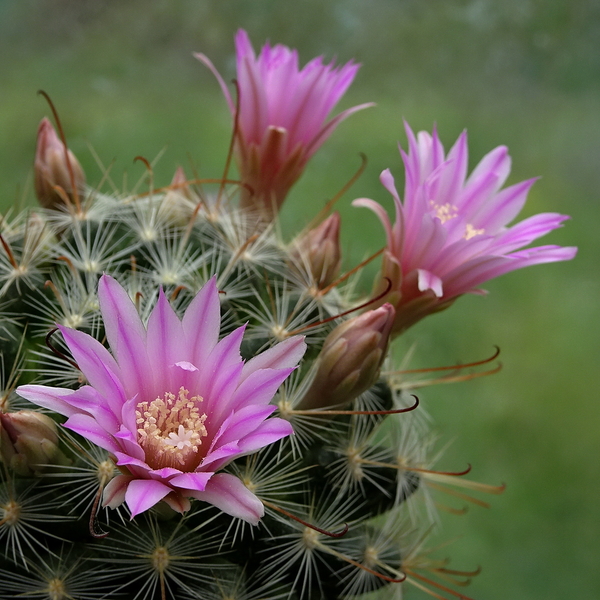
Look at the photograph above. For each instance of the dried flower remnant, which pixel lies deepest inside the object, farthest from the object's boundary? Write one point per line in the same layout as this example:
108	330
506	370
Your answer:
282	117
174	405
451	233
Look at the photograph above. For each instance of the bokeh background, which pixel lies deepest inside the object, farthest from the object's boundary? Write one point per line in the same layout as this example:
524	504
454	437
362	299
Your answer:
525	73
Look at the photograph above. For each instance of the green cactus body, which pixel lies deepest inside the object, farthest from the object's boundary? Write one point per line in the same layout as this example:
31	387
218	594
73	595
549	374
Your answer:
330	475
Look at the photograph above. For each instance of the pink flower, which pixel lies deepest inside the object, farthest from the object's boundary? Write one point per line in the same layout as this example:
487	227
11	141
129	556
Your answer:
282	116
172	404
451	233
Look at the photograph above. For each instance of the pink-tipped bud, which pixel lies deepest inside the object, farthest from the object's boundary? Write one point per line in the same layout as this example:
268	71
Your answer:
29	441
350	359
319	251
53	180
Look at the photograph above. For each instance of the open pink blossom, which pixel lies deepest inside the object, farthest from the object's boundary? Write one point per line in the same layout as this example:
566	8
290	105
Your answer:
451	233
282	114
172	403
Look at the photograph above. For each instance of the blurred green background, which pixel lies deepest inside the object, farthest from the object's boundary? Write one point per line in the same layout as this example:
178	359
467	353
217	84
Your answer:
525	73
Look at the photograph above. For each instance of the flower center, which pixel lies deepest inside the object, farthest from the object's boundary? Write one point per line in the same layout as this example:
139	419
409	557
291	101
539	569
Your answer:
445	212
170	430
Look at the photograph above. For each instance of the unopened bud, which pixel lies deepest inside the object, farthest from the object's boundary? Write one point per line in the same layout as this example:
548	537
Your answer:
319	250
350	359
52	177
29	441
178	203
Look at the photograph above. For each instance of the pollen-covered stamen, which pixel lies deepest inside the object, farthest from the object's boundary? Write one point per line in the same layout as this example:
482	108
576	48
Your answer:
471	232
444	212
170	430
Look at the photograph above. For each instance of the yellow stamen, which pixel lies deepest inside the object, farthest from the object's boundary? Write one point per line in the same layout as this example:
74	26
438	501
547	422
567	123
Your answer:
444	212
171	430
470	231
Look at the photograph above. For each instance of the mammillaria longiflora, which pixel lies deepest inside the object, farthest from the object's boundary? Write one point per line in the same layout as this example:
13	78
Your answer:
224	438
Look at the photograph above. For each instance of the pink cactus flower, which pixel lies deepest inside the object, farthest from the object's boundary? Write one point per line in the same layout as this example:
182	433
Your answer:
172	403
451	233
282	114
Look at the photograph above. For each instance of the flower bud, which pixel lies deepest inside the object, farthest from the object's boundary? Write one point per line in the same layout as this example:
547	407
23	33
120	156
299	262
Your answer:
28	441
350	359
319	249
51	170
179	203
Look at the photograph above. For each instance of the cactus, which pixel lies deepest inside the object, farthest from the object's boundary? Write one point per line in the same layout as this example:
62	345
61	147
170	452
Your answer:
335	498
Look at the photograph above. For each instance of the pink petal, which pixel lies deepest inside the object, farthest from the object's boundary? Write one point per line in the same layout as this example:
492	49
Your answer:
218	392
126	460
285	354
201	323
330	127
187	366
191	481
165	473
97	364
259	387
164	344
204	59
54	399
87	427
143	494
230	495
242	423
87	400
268	432
525	232
497	161
126	336
503	208
129	443
114	492
220	456
177	502
381	213
429	281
